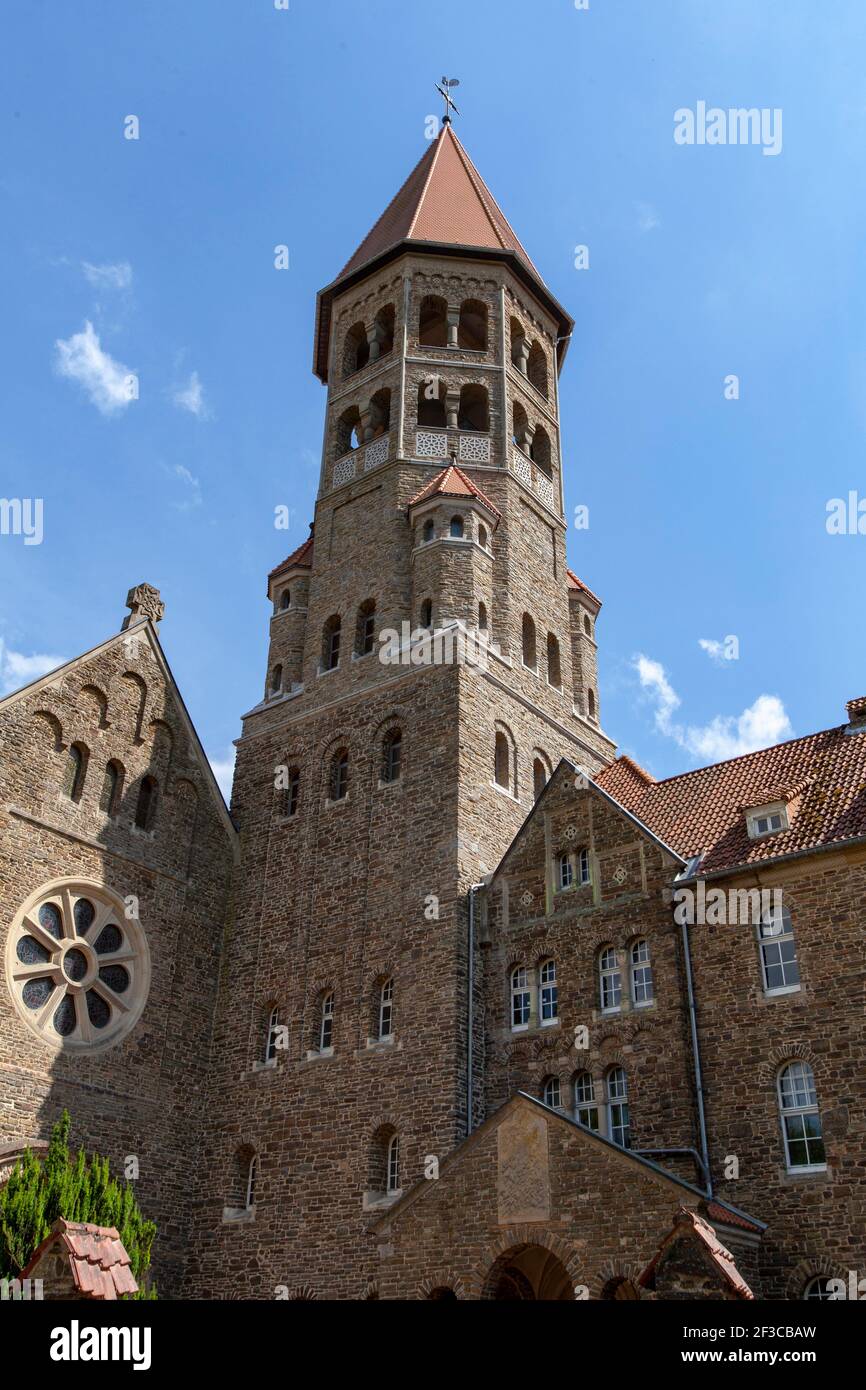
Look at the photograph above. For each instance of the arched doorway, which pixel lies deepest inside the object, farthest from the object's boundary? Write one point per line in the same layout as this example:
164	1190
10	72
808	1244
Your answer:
528	1272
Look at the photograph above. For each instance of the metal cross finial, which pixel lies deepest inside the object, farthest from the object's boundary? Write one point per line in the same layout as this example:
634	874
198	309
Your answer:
445	92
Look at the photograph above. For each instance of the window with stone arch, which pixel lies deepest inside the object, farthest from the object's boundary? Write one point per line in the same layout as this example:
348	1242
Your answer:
77	967
433	321
616	1091
551	1092
244	1180
392	755
431	404
554	666
520	997
482	617
76	771
540	775
112	789
504	762
325	1040
536	368
519	427
380	412
146	803
272	1033
456	528
590	703
427	612
801	1119
822	1288
348	431
641	974
285	600
609	980
383	331
276	681
548	993
428	533
527	637
356	353
365	628
384	1162
585	1103
519	348
473	412
472	325
289	796
385	1021
331	643
338	775
541	452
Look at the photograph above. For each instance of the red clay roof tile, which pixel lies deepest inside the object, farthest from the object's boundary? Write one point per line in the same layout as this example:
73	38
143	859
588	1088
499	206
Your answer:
303	556
98	1261
453	482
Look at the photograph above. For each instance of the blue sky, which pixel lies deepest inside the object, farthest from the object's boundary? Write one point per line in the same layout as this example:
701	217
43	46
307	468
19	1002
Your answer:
261	126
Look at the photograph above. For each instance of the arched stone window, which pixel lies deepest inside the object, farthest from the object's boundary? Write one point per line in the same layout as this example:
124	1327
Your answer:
519	349
357	351
520	998
392	755
326	1023
76	771
455	528
443	1294
244	1178
145	806
482	536
821	1288
365	628
433	321
548	993
616	1091
384	1164
519	426
431	405
385	1022
536	369
291	793
540	451
383	330
285	599
528	640
276	682
503	761
539	777
587	625
78	968
272	1034
429	532
640	973
474	411
348	431
590	702
472	326
331	643
427	613
609	980
801	1118
112	788
554	669
380	412
482	617
551	1092
339	775
585	1106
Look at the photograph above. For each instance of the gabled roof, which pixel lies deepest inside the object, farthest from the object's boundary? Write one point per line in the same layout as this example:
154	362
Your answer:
142	628
302	558
453	482
98	1261
638	1161
702	812
444	199
690	1225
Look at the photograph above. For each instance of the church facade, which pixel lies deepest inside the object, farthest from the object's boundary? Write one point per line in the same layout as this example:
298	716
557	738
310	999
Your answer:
445	1007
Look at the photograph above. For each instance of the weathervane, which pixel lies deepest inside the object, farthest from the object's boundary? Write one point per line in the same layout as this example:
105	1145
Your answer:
445	92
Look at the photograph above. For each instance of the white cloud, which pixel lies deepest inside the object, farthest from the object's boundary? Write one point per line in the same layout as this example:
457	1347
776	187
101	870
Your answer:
193	498
647	217
223	770
108	277
714	650
191	398
16	669
760	725
110	385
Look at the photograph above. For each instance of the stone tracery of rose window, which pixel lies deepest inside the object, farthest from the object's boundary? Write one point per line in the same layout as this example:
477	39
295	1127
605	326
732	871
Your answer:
77	967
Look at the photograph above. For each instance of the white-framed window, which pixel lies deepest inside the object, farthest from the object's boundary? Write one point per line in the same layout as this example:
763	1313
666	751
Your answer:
767	820
386	1009
564	872
393	1184
583	866
519	998
779	969
272	1034
549	999
553	1092
610	981
326	1023
618	1128
252	1174
585	1106
801	1119
641	974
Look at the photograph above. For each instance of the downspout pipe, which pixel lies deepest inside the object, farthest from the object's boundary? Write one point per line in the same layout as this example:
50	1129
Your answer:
696	1055
470	1014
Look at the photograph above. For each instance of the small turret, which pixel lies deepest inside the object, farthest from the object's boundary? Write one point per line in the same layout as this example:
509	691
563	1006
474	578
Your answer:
452	551
288	591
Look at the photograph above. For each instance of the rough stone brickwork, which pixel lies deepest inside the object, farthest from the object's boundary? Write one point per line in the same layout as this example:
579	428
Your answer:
145	1095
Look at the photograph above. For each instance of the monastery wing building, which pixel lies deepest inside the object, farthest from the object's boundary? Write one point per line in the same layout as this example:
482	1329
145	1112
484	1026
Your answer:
456	1003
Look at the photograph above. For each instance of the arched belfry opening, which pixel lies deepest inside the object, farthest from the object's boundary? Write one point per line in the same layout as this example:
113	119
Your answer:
528	1273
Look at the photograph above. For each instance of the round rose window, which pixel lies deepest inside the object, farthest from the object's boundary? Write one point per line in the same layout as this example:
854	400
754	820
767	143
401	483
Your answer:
77	966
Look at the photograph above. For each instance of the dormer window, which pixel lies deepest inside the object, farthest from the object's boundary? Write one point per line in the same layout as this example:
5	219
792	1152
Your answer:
767	820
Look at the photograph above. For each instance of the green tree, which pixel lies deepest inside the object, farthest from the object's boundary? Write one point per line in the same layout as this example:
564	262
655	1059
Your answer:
77	1188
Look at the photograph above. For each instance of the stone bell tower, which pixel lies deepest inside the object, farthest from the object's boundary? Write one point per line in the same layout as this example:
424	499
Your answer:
372	790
